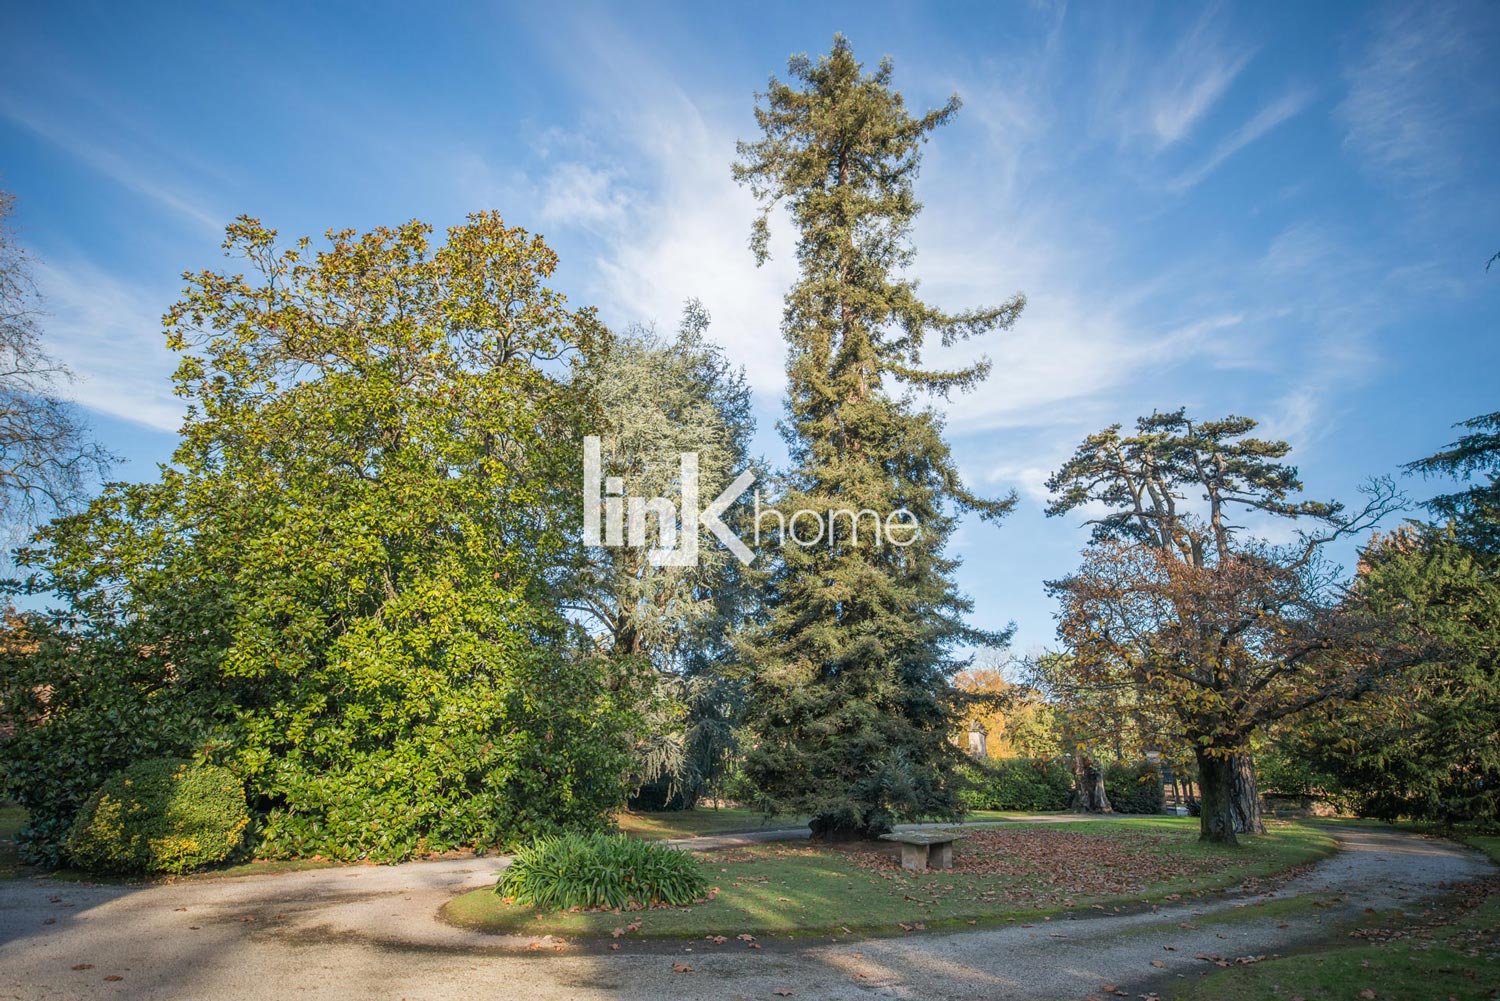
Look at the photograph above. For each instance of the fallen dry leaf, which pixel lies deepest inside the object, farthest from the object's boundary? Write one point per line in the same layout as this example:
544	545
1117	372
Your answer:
681	968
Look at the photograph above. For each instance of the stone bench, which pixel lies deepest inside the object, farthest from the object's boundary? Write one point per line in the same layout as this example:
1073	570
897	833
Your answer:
921	850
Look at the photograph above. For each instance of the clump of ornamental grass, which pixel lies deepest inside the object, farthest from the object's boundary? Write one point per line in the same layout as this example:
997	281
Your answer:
611	871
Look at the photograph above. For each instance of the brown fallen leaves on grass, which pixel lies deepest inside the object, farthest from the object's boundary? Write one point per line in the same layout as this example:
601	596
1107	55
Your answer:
1052	867
1463	898
1222	962
1434	925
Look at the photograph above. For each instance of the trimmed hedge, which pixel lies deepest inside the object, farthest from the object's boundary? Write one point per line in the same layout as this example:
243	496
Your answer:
601	870
1017	784
160	815
1134	788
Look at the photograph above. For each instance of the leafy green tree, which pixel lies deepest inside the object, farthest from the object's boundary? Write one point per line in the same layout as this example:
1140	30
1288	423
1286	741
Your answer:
1099	723
850	700
1222	632
657	398
345	585
1424	744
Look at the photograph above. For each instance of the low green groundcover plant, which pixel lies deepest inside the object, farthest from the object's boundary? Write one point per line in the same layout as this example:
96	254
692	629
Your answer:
160	815
601	871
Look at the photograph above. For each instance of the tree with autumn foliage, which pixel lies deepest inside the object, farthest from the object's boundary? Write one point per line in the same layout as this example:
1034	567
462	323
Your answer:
851	704
1017	720
1204	622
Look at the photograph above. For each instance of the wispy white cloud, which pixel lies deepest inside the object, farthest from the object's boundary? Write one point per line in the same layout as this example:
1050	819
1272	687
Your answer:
143	179
109	333
1104	337
1259	124
669	221
1181	103
1416	82
1179	87
580	195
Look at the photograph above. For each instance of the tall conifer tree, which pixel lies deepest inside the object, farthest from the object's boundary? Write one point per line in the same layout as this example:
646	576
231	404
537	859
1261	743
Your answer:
851	695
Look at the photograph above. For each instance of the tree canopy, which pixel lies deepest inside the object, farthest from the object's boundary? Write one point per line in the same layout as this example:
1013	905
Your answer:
344	587
1174	599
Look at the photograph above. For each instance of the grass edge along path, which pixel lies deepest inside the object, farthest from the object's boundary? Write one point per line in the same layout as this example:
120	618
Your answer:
1403	969
799	891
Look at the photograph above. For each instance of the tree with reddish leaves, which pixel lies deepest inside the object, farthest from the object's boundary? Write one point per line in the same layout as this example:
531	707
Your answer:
1203	622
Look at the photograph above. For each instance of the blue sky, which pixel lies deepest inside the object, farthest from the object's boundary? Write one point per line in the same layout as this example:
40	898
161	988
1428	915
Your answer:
1276	210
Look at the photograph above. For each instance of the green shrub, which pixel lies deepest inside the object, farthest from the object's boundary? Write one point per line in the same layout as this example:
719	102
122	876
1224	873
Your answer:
160	815
75	709
1017	784
601	870
1134	788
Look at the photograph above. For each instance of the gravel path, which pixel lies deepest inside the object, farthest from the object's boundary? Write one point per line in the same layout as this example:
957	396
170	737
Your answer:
370	932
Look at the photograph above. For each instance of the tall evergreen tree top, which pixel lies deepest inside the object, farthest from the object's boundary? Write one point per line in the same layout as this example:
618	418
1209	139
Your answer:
841	150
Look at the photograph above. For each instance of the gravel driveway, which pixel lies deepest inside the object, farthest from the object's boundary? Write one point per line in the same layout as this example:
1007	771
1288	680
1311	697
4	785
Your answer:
371	932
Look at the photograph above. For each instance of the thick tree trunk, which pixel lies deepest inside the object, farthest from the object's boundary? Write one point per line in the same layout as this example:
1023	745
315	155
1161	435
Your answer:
1216	799
1244	795
1089	796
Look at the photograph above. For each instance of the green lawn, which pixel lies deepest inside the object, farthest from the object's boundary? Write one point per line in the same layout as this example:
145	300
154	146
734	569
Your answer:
1454	955
1487	843
1020	872
730	820
691	823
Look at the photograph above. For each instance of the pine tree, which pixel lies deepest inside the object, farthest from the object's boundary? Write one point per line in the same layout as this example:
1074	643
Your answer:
851	700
